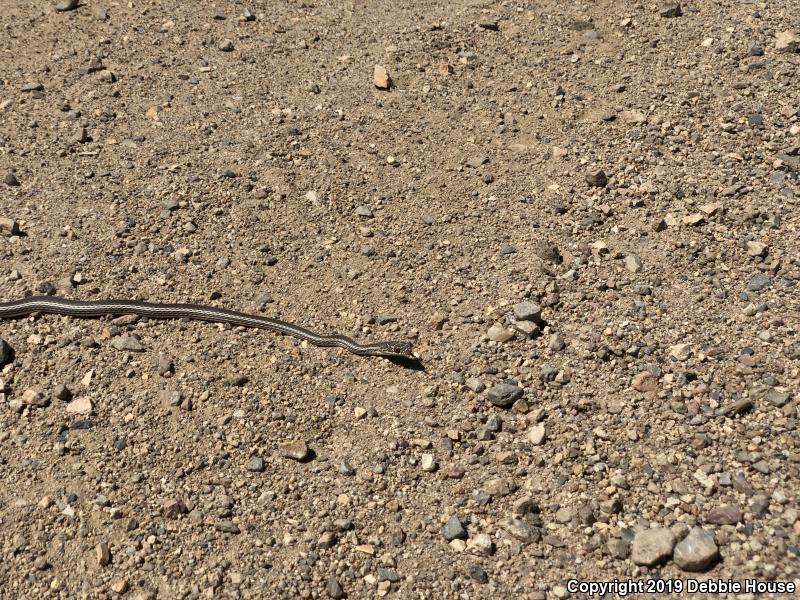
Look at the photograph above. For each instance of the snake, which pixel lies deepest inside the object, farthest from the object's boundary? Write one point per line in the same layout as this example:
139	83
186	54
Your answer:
198	312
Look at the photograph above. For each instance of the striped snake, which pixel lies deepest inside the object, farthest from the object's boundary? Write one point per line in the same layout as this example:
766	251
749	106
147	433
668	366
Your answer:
98	308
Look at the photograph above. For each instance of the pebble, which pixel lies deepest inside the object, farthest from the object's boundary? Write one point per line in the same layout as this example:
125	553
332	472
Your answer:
557	343
127	343
758	282
80	406
67	5
697	551
522	530
756	248
10	179
453	529
477	161
6	353
504	395
33	86
498	333
227	527
333	589
477	573
652	547
381	78
296	450
724	515
633	263
103	554
81	135
428	463
537	434
481	544
597	178
671	11
645	381
527	311
680	351
364	211
226	45
255	464
8	227
787	41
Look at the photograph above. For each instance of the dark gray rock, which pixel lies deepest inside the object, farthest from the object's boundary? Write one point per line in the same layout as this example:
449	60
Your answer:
453	529
504	395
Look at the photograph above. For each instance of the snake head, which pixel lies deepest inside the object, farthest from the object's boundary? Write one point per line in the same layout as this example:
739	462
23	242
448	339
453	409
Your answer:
398	349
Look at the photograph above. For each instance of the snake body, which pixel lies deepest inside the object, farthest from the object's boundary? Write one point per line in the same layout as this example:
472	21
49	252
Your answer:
199	312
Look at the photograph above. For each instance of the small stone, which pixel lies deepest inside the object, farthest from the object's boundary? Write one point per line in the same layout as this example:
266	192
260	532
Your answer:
670	11
652	546
428	463
477	574
119	586
525	506
506	249
255	464
10	179
597	178
633	263
364	211
127	343
226	45
680	351
645	382
619	548
787	41
537	434
557	343
758	282
481	544
6	353
503	395
103	554
724	515
333	589
522	530
381	78
527	311
172	508
8	227
35	398
756	248
297	450
453	529
500	486
697	551
227	527
477	161
327	540
694	219
81	136
79	406
489	25
33	86
498	333
67	5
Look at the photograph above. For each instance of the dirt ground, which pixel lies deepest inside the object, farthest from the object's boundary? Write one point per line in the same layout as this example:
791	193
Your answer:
583	215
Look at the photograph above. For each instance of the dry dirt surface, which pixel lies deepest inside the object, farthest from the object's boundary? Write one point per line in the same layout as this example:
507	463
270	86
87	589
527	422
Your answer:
584	216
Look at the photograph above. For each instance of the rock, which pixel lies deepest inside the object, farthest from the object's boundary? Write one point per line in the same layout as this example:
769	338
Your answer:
477	573
255	464
724	515
8	227
127	343
428	463
226	45
33	86
536	434
697	551
758	282
670	11
756	248
652	547
297	450
453	529
528	311
525	506
6	353
10	179
333	589
119	586
500	486
557	343
66	5
381	78
81	136
477	161
522	530
481	544
694	219
619	548
498	333
680	351
597	178
364	211
489	25
645	382
80	406
172	508
227	527
504	395
787	41
103	554
633	263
